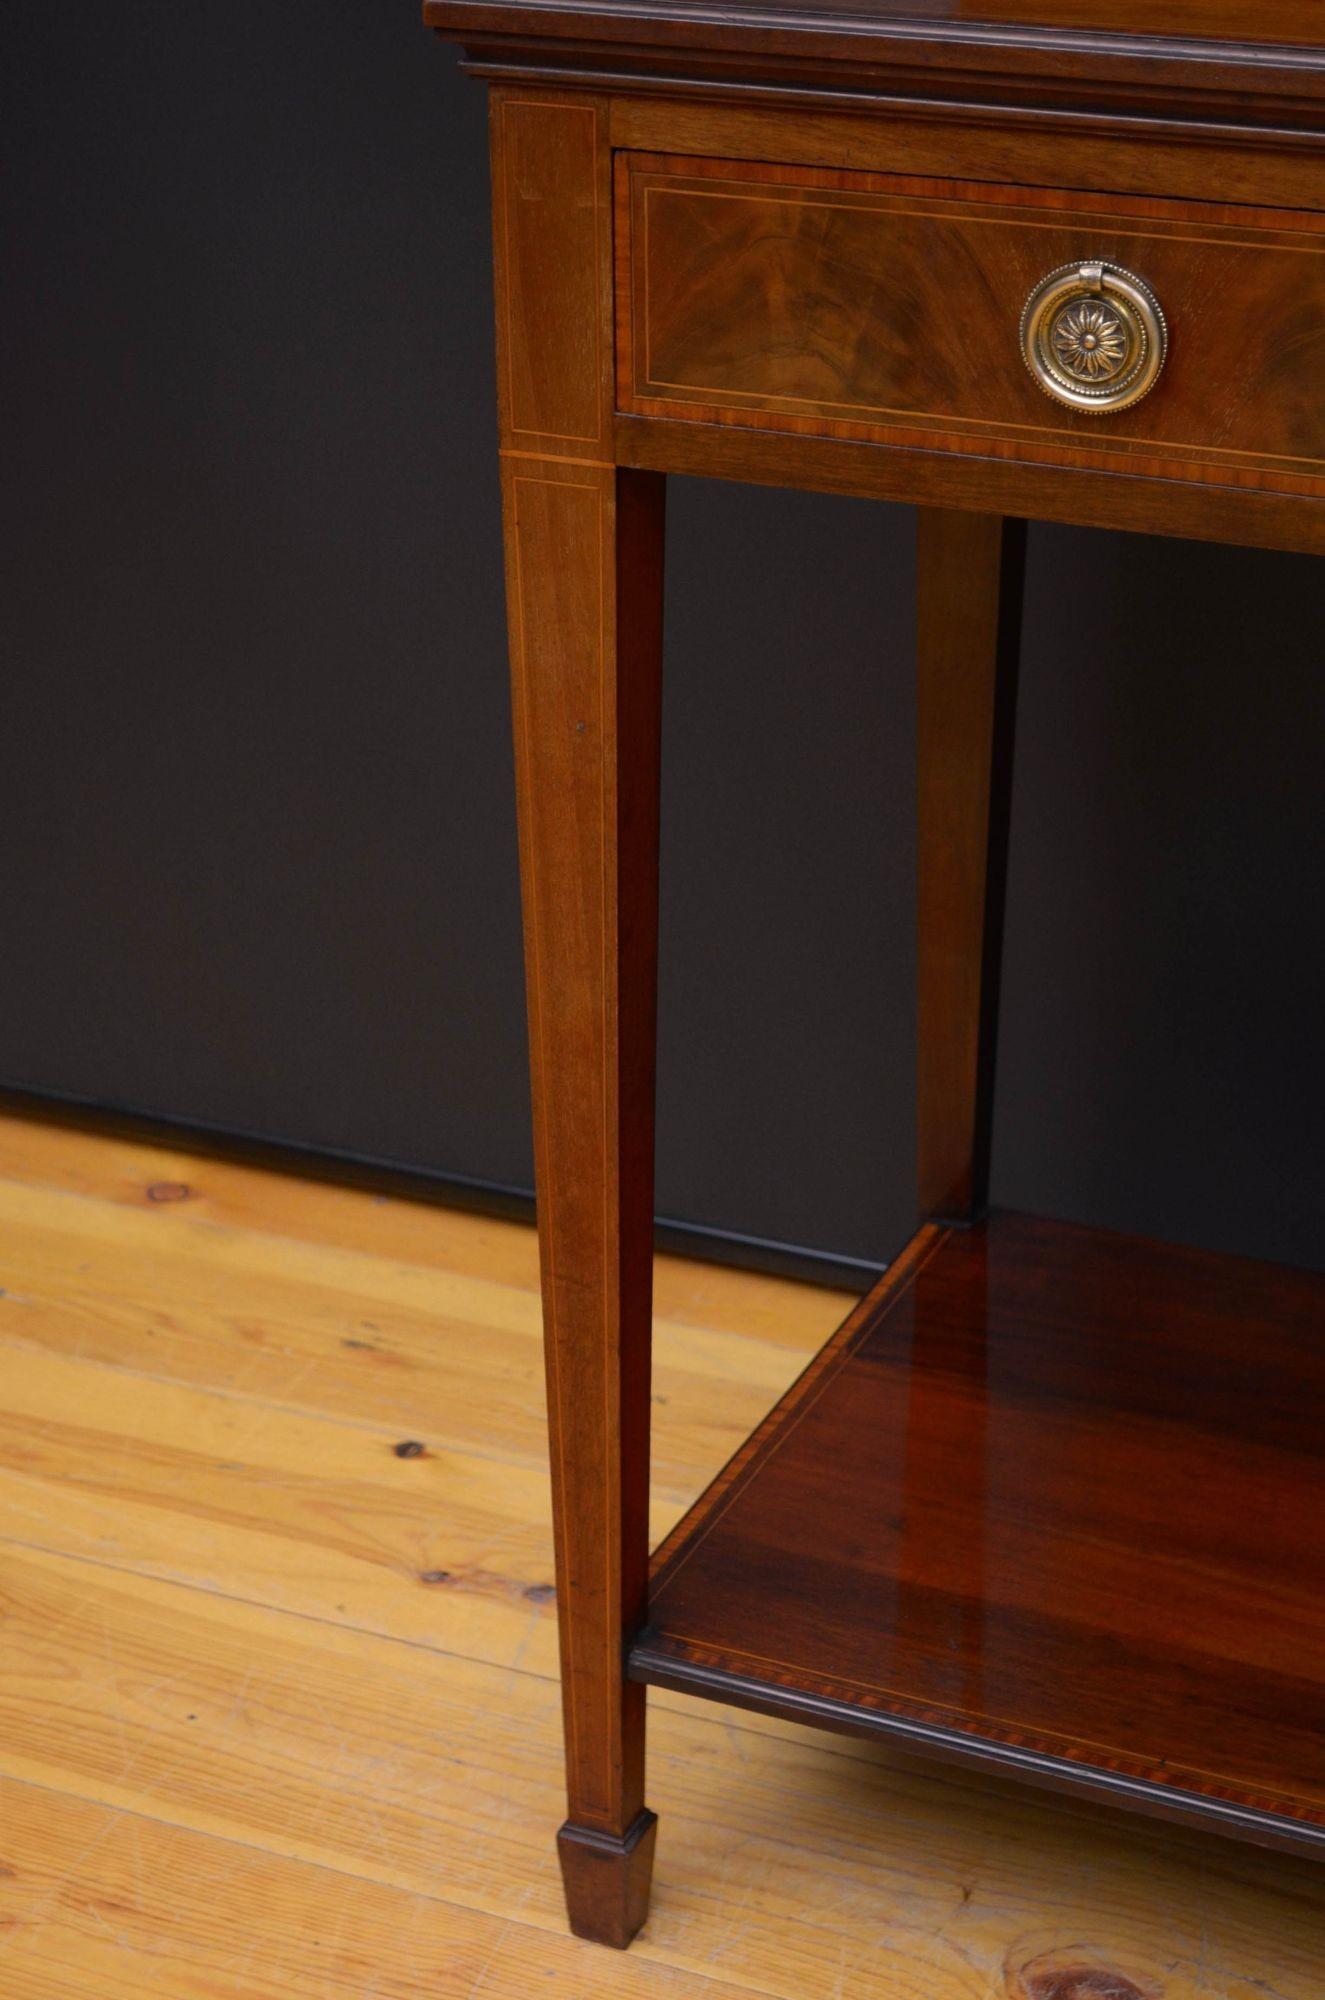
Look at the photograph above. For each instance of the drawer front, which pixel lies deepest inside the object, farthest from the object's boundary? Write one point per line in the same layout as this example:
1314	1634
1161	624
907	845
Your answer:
887	308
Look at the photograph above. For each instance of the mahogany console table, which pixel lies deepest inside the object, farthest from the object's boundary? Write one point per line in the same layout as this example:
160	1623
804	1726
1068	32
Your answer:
1053	1500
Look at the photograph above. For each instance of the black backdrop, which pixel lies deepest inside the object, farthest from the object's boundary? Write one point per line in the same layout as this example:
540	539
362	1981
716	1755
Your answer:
256	813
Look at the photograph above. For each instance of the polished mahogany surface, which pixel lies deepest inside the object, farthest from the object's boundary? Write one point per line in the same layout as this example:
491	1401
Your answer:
1265	23
884	307
1193	48
1051	1501
1059	1499
1291	23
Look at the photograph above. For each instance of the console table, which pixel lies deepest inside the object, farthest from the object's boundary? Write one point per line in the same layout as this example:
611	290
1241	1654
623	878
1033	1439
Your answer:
1052	1503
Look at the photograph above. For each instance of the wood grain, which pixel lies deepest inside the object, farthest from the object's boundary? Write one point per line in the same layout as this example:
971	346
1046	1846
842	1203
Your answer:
886	308
584	593
1285	24
314	1828
180	1189
448	1549
200	1480
1085	1477
826	306
987	484
374	1759
583	546
105	1905
549	236
1227	69
957	142
399	1348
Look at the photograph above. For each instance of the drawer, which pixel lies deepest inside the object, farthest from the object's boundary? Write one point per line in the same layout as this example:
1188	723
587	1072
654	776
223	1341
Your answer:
890	309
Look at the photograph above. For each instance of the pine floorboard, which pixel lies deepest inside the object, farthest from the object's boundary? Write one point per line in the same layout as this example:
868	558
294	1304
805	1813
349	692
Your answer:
278	1714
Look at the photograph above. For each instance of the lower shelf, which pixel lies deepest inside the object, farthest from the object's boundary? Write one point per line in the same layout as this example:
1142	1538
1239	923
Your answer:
1052	1502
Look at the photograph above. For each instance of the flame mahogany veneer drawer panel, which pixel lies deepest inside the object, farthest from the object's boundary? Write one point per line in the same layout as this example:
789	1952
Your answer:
888	308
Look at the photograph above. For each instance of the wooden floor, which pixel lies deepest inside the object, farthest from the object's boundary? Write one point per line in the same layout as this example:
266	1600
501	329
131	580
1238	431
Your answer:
277	1707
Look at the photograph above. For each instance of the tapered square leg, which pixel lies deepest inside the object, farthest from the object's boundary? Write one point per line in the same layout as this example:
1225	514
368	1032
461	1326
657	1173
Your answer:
584	544
607	1879
971	570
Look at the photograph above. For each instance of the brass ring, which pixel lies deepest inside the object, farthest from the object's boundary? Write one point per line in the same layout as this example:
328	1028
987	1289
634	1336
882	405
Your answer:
1094	337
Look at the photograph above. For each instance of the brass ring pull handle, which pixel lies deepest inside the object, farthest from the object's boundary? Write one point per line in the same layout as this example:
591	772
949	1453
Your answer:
1094	337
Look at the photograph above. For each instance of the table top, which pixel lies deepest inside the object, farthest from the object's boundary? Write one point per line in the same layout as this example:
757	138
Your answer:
1295	23
1265	24
1254	48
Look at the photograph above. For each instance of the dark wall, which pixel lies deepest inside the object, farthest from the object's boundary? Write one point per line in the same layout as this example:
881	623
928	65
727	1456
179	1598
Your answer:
256	819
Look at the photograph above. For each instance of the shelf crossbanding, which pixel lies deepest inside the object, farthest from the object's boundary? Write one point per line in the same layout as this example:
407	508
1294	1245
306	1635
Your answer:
1054	1502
